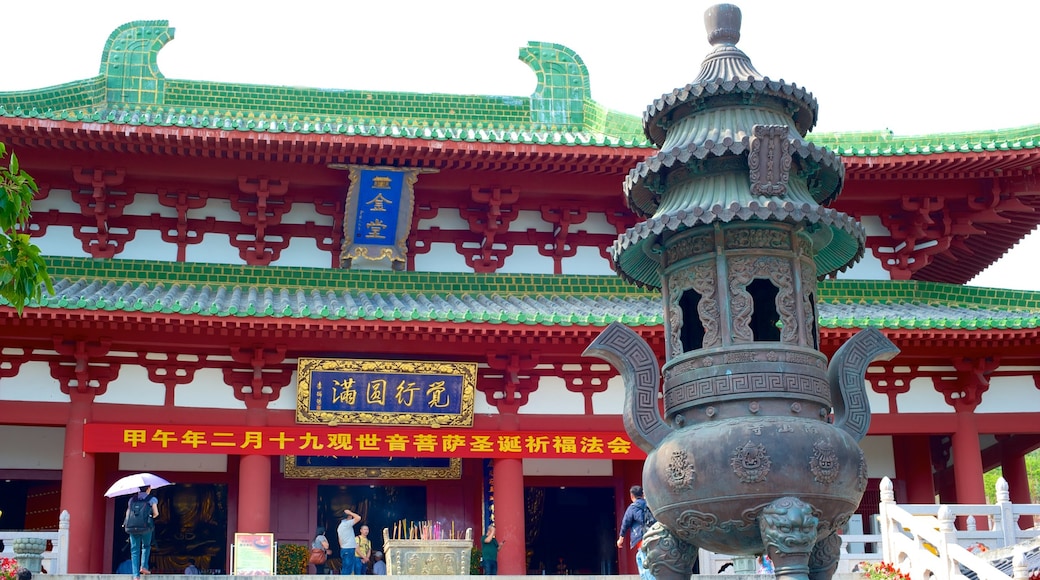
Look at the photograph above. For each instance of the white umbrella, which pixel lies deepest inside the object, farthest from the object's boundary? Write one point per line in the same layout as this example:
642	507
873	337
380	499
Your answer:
133	483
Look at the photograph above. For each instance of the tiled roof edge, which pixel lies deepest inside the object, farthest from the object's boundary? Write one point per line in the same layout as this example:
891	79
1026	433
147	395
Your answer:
886	144
521	299
596	132
830	291
439	283
912	291
489	132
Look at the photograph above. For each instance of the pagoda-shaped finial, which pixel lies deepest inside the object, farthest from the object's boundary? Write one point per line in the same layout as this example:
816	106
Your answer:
722	21
725	62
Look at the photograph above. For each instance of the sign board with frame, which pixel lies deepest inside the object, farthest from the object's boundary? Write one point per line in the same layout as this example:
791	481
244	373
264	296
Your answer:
381	392
372	468
253	555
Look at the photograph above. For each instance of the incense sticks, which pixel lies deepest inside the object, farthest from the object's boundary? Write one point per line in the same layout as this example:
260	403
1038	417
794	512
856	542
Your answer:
425	530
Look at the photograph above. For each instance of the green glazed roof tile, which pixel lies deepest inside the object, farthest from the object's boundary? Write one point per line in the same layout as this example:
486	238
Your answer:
131	90
523	299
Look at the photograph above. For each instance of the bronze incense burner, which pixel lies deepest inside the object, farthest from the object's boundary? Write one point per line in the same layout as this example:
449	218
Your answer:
757	451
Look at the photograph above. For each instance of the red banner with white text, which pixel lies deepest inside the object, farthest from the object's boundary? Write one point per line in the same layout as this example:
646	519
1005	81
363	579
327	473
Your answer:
355	441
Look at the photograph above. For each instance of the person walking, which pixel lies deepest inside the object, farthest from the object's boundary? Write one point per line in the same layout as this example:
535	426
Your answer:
139	522
347	542
633	523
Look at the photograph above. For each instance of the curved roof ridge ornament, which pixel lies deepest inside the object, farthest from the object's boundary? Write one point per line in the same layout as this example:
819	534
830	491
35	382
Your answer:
563	84
130	66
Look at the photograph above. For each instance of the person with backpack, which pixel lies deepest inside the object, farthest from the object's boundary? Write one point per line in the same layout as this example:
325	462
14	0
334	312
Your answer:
141	511
635	522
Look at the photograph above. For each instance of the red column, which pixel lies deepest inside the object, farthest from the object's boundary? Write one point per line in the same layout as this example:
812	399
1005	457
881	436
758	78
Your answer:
914	467
967	461
254	494
510	516
1013	468
254	481
77	485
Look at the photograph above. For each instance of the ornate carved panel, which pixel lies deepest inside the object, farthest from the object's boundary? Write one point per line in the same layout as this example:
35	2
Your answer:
742	270
757	238
689	246
769	160
706	283
811	330
701	279
762	383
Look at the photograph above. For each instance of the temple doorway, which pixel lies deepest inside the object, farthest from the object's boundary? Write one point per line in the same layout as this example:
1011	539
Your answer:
29	504
571	530
192	524
379	506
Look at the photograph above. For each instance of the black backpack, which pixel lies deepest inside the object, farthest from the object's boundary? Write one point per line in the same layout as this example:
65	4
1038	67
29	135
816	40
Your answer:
138	515
648	518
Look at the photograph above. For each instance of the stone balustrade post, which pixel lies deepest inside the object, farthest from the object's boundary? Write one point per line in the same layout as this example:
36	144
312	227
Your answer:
62	548
888	498
1008	523
1019	568
948	537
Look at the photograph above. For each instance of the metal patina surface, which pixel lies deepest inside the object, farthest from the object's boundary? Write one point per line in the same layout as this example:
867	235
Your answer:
757	451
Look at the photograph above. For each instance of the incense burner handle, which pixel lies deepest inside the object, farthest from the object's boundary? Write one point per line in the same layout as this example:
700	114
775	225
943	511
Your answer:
846	374
630	354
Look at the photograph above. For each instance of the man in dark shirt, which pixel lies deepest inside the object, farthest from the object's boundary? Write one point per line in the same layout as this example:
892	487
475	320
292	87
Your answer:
489	551
632	523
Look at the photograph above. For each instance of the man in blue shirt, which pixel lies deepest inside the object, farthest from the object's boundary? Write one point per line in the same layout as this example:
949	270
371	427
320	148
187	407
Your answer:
633	524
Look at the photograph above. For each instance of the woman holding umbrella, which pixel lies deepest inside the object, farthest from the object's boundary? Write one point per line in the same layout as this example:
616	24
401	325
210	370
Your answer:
141	528
141	512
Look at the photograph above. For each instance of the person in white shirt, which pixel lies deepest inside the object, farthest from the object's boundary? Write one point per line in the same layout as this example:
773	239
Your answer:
347	542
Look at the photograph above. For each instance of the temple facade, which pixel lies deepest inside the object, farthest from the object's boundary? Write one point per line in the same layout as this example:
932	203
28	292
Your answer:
292	301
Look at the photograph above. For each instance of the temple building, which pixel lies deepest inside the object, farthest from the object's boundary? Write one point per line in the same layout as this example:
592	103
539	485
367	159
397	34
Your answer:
293	301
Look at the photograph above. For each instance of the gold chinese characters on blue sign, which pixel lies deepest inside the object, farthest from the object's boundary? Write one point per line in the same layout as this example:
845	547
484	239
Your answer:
378	214
377	392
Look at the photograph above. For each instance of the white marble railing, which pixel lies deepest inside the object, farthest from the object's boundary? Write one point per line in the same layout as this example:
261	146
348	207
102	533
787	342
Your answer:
923	541
56	559
855	549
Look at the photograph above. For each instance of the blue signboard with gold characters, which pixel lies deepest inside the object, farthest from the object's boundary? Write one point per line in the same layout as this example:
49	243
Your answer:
378	214
378	392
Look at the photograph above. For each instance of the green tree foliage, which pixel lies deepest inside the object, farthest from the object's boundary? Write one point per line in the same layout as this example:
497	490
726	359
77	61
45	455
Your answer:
23	272
1032	472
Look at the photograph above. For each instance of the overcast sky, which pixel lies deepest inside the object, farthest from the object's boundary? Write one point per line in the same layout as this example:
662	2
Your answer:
910	66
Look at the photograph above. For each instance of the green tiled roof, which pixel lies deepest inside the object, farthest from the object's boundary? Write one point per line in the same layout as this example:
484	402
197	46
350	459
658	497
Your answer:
316	293
131	90
885	144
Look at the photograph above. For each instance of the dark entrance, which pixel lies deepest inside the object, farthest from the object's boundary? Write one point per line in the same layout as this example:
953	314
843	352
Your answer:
192	524
379	506
574	527
29	504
